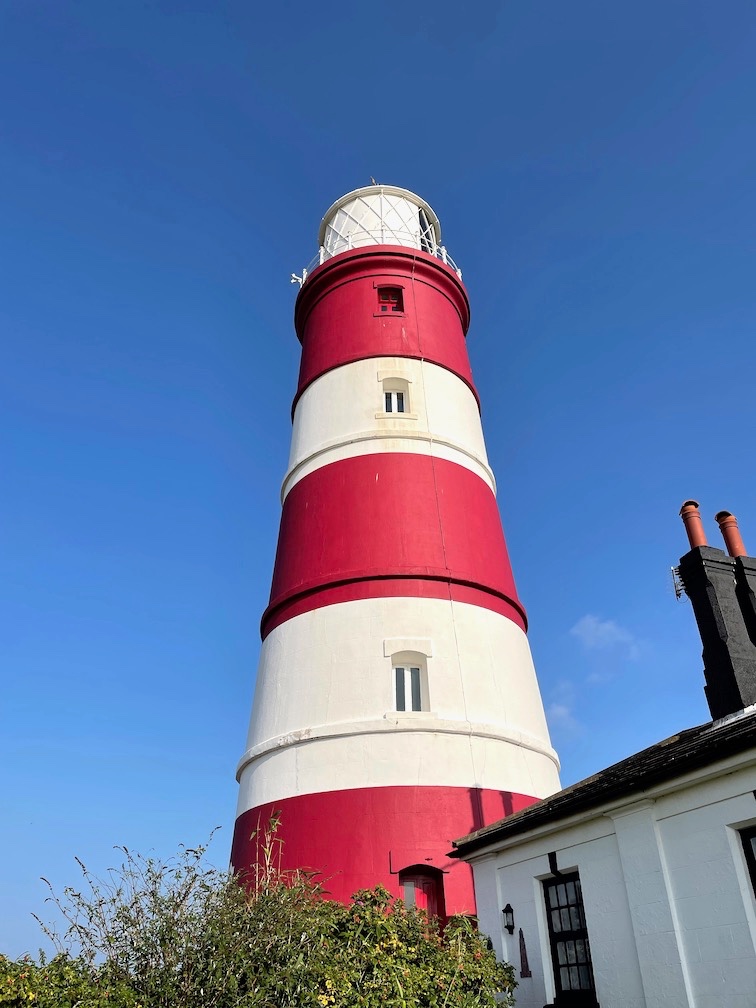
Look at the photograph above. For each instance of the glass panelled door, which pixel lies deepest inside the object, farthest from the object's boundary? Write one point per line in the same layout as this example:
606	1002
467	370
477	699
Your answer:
568	937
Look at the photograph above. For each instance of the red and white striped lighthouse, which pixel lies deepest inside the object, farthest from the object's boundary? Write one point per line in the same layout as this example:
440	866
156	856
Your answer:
396	705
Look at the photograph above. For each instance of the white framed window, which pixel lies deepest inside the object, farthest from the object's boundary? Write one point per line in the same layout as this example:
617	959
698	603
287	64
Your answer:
409	682
408	688
568	941
395	397
394	402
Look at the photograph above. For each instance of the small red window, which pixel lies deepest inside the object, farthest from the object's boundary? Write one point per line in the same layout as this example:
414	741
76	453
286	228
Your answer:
390	299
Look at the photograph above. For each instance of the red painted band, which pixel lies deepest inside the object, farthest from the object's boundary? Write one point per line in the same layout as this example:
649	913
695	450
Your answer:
390	515
338	322
363	837
352	591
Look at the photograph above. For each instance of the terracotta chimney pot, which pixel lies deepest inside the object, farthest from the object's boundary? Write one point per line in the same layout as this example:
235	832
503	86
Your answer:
728	526
691	517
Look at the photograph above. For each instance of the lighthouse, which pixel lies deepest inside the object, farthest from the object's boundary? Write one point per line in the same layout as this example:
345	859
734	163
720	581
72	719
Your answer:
396	705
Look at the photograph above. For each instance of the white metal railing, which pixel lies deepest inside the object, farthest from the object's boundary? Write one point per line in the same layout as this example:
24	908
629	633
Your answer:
365	239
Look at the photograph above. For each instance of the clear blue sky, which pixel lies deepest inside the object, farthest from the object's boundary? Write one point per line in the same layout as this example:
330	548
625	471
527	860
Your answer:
164	168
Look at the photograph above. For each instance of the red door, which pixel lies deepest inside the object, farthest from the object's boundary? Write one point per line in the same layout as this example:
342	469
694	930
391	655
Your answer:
424	889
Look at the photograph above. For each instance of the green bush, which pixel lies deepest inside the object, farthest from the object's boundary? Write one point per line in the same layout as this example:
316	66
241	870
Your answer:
179	934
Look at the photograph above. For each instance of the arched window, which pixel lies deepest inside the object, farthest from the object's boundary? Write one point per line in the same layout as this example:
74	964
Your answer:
395	396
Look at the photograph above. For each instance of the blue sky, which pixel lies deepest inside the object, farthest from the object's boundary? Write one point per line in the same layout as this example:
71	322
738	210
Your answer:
164	169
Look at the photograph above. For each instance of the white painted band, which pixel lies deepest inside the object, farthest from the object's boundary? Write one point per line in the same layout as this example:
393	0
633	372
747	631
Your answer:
342	414
325	716
396	756
396	722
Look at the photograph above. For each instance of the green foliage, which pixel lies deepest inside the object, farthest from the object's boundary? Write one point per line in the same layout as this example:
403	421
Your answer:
179	934
63	982
386	954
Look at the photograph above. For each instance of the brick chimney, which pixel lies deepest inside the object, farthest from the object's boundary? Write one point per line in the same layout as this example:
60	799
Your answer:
722	590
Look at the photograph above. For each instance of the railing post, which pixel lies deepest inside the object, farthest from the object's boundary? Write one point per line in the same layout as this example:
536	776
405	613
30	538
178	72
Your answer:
443	256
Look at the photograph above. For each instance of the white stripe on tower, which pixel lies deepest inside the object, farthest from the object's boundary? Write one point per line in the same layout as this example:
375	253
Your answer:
342	414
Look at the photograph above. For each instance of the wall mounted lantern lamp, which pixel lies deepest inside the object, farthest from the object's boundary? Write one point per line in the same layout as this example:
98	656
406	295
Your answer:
508	918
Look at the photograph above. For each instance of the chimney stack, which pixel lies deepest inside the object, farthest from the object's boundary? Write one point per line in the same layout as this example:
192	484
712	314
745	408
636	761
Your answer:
722	591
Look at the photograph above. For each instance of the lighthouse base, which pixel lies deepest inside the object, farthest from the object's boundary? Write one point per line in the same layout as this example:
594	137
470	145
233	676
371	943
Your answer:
397	837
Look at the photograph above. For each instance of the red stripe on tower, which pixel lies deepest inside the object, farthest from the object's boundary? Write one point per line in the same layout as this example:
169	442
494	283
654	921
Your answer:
391	515
396	705
429	321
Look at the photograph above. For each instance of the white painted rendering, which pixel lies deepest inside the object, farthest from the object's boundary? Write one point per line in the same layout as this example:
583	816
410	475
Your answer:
340	415
324	719
669	905
394	645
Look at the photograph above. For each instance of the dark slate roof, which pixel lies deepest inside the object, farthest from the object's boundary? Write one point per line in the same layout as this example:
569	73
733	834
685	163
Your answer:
675	756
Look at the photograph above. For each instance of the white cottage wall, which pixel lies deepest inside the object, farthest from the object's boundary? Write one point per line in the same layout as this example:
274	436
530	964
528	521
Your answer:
669	903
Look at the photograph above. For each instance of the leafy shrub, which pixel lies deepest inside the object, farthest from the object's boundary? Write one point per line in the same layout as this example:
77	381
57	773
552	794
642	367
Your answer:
179	934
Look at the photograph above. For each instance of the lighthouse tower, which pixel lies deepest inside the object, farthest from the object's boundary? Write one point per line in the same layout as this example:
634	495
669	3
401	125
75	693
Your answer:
396	705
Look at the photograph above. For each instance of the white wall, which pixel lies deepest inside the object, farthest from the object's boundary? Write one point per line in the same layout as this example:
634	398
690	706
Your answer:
669	905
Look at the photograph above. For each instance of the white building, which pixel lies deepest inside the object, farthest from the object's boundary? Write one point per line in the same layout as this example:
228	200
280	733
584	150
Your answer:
636	888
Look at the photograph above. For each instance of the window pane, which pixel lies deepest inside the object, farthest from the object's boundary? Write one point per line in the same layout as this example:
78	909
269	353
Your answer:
390	297
570	949
400	705
388	402
415	684
426	233
400	402
408	889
